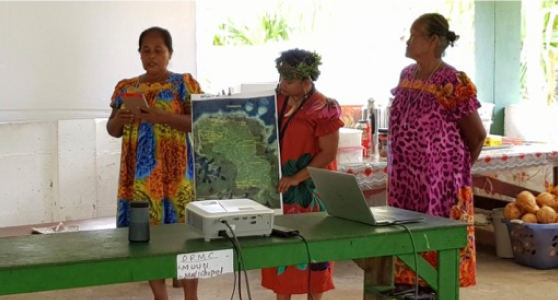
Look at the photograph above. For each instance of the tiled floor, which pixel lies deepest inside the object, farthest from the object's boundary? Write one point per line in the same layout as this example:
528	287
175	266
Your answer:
498	279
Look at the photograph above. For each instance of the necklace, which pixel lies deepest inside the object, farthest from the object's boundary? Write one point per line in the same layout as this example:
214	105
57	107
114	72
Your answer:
298	103
158	78
291	113
410	101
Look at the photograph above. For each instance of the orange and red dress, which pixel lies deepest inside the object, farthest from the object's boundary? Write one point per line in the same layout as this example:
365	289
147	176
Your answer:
302	127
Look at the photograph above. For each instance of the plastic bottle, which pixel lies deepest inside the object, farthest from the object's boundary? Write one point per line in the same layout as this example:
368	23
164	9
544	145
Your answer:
366	140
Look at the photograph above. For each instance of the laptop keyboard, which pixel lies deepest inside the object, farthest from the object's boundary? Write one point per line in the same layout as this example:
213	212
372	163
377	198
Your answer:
382	214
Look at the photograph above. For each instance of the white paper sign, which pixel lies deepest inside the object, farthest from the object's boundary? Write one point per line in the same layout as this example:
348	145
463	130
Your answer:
204	264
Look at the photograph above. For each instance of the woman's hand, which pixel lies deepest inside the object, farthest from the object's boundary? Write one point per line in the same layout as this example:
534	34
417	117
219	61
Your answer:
153	115
473	133
286	182
118	118
159	116
123	116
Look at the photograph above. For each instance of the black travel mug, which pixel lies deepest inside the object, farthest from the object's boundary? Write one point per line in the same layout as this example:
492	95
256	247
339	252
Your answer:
138	230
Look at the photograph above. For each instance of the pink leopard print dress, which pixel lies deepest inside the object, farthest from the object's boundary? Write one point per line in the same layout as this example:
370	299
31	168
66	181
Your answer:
429	165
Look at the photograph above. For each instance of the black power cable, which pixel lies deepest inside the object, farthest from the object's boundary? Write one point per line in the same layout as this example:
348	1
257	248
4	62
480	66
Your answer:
416	259
309	268
241	259
238	263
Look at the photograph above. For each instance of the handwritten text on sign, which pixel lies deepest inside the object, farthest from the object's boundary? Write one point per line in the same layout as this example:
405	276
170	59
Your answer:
204	264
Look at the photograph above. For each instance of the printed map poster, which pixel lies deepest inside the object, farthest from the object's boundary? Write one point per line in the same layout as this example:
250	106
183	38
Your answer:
236	148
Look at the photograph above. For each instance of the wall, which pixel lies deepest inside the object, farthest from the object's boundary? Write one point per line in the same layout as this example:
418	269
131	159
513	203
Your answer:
65	170
63	59
59	64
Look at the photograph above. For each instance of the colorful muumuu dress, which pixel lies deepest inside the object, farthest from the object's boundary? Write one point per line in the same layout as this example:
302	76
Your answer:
156	162
429	164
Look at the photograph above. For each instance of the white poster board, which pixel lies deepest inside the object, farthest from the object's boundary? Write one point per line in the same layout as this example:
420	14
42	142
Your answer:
204	264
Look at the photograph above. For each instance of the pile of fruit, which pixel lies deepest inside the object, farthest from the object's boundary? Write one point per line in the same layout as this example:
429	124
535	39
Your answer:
529	208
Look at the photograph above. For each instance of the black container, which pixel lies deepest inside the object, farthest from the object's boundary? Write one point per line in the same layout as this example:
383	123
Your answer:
138	230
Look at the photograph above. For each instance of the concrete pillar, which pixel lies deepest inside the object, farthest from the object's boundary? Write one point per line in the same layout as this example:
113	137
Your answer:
497	55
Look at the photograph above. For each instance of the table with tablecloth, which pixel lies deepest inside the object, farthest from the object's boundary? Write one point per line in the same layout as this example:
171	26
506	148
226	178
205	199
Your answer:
497	171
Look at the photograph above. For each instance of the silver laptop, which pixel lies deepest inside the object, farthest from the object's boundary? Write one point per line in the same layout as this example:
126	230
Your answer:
343	198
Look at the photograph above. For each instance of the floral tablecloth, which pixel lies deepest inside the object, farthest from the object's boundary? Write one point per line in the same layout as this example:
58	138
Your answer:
517	157
529	166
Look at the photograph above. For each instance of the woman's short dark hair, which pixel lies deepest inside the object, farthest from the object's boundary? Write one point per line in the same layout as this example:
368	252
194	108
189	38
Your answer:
438	25
165	34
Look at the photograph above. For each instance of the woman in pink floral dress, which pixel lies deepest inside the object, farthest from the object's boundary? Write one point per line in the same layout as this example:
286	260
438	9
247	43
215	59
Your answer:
435	135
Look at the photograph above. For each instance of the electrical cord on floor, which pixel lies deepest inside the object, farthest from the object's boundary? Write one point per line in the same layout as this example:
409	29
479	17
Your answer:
416	258
309	268
241	258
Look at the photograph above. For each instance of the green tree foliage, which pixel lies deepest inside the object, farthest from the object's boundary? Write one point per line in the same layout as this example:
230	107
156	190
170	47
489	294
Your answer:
547	16
271	27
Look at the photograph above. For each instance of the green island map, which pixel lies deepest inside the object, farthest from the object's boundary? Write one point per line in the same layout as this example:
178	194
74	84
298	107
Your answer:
236	149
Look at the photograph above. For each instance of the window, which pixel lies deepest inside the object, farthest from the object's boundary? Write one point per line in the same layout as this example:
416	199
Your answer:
362	42
539	54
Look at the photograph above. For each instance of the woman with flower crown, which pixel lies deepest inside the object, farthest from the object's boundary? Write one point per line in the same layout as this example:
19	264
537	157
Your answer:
308	134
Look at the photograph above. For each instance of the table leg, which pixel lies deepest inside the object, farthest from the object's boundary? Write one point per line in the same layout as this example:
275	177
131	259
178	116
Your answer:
378	272
448	274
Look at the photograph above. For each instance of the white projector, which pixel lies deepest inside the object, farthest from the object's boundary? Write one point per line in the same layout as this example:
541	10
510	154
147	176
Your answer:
246	217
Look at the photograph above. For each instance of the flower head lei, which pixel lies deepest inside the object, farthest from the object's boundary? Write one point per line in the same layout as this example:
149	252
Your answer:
293	68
